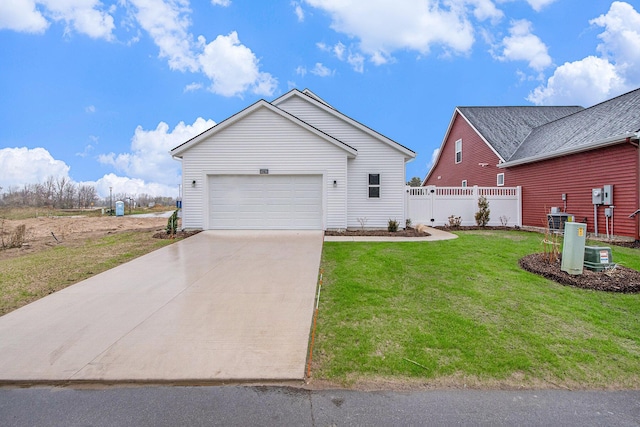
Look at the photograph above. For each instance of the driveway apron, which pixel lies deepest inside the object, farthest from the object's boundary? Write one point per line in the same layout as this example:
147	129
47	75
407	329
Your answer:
220	305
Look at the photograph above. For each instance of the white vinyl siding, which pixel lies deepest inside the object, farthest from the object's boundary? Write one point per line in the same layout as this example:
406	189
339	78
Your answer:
265	202
373	155
264	140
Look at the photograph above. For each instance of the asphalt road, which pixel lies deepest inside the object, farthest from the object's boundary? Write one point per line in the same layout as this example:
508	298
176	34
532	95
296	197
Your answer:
283	406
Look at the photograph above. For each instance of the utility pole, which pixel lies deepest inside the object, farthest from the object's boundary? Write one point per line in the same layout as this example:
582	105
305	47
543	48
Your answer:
110	201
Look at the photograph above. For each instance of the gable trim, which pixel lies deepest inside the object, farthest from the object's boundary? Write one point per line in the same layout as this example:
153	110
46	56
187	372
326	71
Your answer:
481	136
180	149
456	113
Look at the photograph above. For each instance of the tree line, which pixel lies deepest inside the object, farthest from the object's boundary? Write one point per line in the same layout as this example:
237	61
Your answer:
62	193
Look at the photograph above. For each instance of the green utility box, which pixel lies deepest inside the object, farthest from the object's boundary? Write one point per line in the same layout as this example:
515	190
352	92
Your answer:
597	258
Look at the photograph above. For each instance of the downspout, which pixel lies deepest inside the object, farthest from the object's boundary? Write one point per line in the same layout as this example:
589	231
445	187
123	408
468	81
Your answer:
638	192
637	145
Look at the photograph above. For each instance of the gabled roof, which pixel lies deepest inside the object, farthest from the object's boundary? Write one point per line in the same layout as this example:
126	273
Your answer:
504	128
180	149
309	96
606	123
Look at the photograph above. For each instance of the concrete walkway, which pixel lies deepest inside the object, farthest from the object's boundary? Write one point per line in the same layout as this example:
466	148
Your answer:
215	306
435	235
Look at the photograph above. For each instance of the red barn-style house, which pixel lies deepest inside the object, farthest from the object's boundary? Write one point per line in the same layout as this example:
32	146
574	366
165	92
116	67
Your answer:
558	155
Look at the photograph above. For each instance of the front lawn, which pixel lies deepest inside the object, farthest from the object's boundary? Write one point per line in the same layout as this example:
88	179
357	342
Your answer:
462	313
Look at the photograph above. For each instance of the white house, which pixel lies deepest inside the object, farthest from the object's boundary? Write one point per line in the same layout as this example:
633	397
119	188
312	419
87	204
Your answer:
293	163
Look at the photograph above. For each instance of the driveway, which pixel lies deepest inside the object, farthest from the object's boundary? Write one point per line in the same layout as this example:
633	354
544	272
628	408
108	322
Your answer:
217	306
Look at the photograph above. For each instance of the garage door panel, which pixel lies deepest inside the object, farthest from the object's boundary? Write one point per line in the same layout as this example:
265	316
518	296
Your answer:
265	201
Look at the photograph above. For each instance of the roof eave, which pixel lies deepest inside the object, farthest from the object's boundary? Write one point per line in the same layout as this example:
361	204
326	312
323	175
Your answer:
613	140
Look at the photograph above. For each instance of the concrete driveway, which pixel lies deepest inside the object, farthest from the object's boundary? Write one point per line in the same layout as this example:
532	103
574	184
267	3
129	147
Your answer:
221	305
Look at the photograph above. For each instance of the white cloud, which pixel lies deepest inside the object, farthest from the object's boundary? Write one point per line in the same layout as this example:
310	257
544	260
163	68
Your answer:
149	159
344	53
167	23
385	26
321	71
22	15
621	39
338	50
585	82
33	16
130	186
301	70
434	157
22	166
90	109
538	5
87	150
522	45
595	79
356	61
233	68
192	87
298	11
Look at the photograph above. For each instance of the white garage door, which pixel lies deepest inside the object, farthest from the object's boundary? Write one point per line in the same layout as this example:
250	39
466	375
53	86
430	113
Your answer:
265	202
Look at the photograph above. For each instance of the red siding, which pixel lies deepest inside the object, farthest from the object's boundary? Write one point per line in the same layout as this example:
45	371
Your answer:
543	184
448	173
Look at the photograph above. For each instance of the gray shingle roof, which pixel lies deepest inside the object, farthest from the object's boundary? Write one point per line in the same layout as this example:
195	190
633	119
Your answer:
505	128
611	118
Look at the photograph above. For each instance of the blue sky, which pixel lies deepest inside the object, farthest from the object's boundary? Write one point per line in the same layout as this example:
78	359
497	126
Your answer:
99	92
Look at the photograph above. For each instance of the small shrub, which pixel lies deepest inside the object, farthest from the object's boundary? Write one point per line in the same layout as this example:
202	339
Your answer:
454	221
504	220
362	221
482	216
407	223
551	244
14	238
172	223
392	226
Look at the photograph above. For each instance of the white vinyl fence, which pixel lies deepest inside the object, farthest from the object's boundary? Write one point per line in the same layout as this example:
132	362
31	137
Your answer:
433	205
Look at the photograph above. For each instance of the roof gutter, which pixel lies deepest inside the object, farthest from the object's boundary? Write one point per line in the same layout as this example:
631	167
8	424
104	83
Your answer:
626	137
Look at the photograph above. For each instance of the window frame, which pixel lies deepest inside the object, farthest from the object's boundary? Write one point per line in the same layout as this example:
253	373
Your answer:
458	151
373	186
498	183
464	183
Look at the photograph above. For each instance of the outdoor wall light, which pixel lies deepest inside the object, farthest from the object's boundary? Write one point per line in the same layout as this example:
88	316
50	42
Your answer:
193	183
335	183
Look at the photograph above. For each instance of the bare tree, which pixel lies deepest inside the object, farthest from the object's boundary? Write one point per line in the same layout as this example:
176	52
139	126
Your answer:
86	195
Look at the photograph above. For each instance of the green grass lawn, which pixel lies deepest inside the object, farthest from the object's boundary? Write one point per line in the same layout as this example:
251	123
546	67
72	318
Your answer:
24	279
462	312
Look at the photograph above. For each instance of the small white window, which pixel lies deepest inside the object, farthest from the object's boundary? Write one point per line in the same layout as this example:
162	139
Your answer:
459	151
500	180
374	185
464	182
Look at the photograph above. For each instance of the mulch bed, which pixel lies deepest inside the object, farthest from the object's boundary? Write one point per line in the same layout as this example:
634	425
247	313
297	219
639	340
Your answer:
477	227
409	232
178	235
619	279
